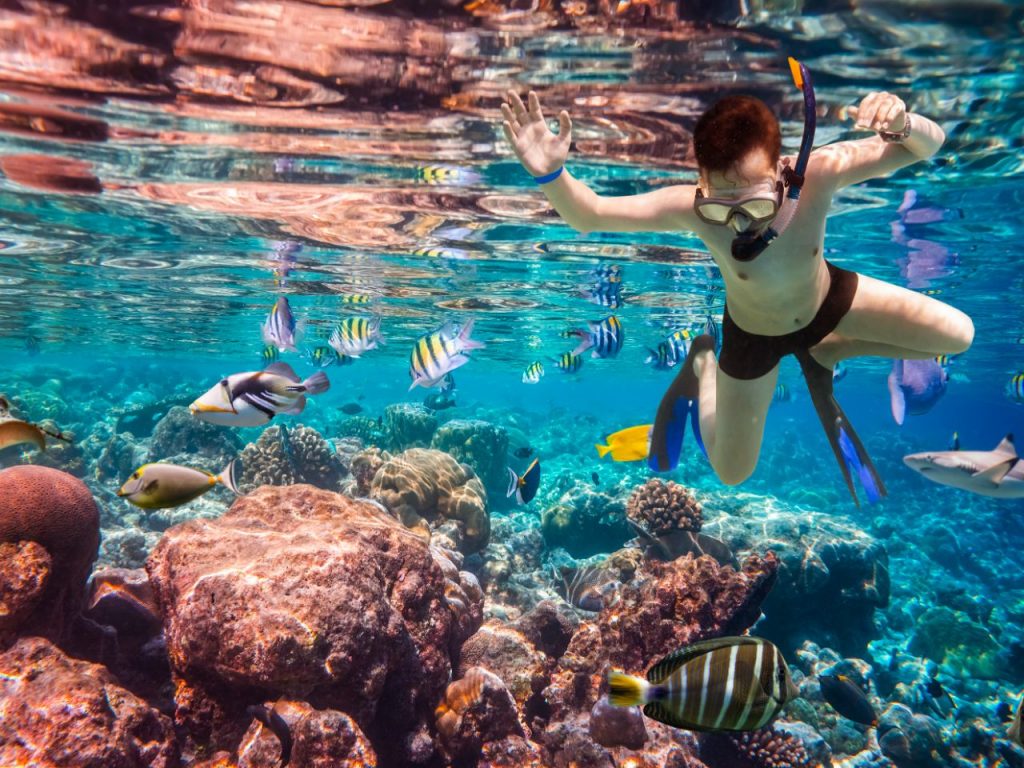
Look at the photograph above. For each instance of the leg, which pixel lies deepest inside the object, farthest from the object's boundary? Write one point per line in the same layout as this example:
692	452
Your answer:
900	319
834	348
732	417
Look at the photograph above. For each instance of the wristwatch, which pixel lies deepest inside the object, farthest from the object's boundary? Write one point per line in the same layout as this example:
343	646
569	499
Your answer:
899	136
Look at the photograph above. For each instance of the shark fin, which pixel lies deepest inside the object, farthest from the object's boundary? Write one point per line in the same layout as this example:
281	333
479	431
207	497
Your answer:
1006	446
996	472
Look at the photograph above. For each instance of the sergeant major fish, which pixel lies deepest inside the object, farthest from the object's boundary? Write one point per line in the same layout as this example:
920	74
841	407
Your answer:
253	398
567	362
604	338
725	684
439	353
160	486
533	373
355	335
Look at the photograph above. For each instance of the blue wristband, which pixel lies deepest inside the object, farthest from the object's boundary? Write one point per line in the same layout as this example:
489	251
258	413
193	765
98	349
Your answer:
549	177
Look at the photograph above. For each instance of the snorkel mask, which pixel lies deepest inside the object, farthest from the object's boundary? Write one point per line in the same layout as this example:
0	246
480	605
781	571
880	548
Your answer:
747	247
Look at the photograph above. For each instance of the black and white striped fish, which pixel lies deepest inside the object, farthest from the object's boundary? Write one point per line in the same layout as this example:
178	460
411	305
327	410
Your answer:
603	337
279	329
253	398
726	684
438	353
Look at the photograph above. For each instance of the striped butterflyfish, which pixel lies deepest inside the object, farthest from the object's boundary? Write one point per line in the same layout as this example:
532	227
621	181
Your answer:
355	335
438	353
279	329
569	362
725	684
524	487
533	373
603	338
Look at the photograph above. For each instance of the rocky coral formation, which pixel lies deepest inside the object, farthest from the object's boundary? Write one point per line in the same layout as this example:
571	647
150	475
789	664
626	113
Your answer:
289	455
833	576
426	488
476	709
586	522
57	711
659	507
910	740
770	747
364	467
408	425
333	602
960	645
180	433
316	738
484	447
362	427
51	524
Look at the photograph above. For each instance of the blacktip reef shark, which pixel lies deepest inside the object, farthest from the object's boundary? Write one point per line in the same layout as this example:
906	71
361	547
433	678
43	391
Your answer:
999	472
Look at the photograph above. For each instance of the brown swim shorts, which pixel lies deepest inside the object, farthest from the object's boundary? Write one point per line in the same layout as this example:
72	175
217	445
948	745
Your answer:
749	355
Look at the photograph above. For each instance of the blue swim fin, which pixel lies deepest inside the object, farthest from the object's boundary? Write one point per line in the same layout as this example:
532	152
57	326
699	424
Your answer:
678	404
864	473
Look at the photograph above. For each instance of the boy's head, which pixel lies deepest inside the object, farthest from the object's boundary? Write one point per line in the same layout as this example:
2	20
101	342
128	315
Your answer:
737	142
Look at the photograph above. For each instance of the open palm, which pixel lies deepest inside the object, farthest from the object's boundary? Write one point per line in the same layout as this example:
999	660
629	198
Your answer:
538	149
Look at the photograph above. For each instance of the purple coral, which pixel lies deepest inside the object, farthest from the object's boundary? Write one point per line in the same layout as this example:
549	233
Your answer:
660	507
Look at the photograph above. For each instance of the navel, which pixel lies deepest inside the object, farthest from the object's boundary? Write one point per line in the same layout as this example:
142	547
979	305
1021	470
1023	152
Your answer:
741	275
816	251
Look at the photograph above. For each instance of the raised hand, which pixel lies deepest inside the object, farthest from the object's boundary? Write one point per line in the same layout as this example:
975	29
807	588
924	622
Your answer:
539	150
880	111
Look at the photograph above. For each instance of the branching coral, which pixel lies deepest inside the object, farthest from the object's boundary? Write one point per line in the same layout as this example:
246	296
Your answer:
661	507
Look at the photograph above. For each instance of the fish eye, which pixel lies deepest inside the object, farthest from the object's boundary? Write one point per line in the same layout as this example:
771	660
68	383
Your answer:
135	475
223	382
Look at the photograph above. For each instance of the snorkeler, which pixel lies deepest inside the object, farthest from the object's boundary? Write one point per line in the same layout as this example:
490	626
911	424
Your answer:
762	217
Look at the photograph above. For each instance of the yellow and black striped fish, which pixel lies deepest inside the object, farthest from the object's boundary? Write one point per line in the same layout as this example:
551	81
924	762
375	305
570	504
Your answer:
1015	388
945	360
355	298
726	684
355	335
448	174
269	355
569	362
436	354
533	373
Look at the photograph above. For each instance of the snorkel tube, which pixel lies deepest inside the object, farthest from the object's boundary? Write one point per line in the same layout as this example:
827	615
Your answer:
747	248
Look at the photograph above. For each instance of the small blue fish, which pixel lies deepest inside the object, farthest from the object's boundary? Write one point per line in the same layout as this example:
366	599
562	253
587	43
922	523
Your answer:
605	294
608	273
524	488
324	357
279	328
782	394
665	357
604	338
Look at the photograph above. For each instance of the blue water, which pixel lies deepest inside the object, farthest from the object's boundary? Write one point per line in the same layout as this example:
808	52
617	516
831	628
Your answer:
155	283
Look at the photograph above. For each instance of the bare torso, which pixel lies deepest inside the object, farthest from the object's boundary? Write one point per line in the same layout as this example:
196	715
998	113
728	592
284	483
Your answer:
781	290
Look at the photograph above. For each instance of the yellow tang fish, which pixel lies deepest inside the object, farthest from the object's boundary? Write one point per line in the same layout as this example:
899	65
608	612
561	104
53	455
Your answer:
630	444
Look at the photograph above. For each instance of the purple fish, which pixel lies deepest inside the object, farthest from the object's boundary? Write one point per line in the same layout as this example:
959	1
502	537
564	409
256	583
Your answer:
915	386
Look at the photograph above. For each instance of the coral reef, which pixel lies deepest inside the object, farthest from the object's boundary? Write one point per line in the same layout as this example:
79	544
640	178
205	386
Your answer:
911	741
334	603
959	644
290	455
319	738
617	726
426	488
832	576
484	447
55	511
58	711
659	507
586	522
179	433
476	709
407	425
362	427
770	747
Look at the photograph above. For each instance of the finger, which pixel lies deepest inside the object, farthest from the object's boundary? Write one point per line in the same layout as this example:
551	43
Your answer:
506	112
510	134
564	126
534	104
517	104
851	113
868	109
889	118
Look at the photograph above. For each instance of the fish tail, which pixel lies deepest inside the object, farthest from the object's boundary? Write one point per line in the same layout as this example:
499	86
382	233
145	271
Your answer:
468	343
316	383
627	690
602	450
513	482
229	478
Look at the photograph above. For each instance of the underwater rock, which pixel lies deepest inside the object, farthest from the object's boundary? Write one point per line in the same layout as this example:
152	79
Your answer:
961	646
25	570
484	447
586	522
126	547
58	711
504	650
408	425
362	427
304	593
319	738
832	575
290	455
660	507
364	467
426	487
911	741
180	433
771	747
617	726
119	457
67	456
57	512
477	708
511	752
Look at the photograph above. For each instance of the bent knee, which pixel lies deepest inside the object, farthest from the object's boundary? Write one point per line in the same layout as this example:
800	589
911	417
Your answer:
963	336
734	473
